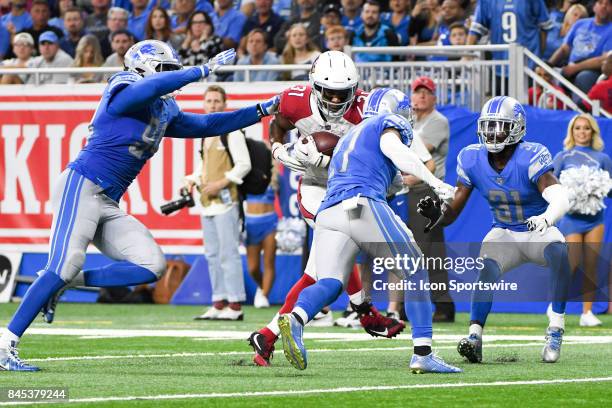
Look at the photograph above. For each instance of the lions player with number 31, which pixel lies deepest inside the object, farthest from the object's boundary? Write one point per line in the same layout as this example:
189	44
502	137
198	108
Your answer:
526	199
136	111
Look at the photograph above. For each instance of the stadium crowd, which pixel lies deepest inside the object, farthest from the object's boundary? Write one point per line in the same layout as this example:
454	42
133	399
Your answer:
94	33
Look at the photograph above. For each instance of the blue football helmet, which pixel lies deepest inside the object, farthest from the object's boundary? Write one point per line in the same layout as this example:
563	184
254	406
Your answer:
148	57
502	122
388	100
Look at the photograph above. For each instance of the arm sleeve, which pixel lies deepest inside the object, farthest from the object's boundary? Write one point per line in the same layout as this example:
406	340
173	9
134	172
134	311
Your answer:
240	155
558	202
139	94
420	149
480	25
404	159
542	16
569	37
540	163
195	125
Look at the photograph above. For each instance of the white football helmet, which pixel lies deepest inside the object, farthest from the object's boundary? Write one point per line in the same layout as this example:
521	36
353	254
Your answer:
388	100
333	75
148	57
502	122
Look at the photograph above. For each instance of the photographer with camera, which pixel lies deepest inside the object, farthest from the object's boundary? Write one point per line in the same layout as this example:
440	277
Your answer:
217	183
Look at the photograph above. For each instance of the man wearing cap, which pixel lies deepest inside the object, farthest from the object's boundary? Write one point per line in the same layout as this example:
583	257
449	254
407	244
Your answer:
51	56
434	130
23	48
40	21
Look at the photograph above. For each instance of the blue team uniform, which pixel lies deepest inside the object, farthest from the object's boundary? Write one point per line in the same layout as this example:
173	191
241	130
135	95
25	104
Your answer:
513	193
576	157
259	226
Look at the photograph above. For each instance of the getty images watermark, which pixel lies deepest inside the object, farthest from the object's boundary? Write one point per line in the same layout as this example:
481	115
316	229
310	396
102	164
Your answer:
405	265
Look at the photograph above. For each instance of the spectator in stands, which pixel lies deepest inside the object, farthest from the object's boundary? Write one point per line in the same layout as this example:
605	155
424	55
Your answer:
117	20
201	43
330	16
265	19
5	42
457	33
351	14
23	48
555	37
41	13
183	9
422	30
62	6
228	23
602	90
336	38
308	17
450	12
51	56
95	23
372	33
224	166
537	95
73	22
121	41
586	45
257	54
246	7
287	9
18	19
398	19
138	18
299	50
88	54
158	28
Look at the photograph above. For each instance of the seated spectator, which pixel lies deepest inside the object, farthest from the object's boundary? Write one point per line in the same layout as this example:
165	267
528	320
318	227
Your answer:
602	90
41	13
117	20
121	41
23	48
201	43
265	19
555	37
330	16
299	50
398	19
257	54
73	23
158	28
351	14
51	56
95	23
336	38
62	6
183	9
308	17
424	23
372	33
456	35
228	23
138	18
537	96
18	19
450	12
88	54
586	44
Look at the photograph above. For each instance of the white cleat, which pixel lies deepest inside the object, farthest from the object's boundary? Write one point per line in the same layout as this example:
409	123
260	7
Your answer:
348	319
260	300
322	320
588	319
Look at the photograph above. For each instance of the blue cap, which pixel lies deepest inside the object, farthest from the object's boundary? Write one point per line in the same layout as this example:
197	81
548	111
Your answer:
49	36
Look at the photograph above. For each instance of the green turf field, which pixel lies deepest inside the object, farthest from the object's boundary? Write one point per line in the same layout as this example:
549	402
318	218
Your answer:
158	356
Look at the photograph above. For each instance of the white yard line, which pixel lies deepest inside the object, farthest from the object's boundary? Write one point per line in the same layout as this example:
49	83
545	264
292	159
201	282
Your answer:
320	391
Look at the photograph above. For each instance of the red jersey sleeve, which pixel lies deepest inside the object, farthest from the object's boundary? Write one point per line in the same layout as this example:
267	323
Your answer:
354	114
295	103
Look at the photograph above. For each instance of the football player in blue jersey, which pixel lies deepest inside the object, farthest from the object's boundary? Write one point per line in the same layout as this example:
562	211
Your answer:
516	178
137	109
354	216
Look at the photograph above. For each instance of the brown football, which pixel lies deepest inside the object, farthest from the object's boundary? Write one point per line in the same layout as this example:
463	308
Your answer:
325	142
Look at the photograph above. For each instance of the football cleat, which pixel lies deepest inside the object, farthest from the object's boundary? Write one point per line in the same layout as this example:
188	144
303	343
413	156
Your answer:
349	319
264	351
471	348
293	344
10	361
552	349
48	310
431	364
376	324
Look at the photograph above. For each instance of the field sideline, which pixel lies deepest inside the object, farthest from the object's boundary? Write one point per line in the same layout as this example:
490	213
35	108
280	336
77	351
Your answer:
145	355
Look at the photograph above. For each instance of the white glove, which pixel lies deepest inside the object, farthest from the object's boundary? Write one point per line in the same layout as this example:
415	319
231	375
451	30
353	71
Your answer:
445	192
538	223
223	58
307	153
280	153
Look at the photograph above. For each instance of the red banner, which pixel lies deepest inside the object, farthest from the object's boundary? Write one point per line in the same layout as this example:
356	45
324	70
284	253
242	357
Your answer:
42	129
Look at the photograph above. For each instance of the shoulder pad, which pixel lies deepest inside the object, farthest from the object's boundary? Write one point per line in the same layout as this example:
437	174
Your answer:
536	158
295	103
121	79
469	155
354	114
397	122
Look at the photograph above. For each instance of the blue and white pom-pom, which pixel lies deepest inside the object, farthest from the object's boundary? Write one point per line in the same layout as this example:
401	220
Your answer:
587	188
290	234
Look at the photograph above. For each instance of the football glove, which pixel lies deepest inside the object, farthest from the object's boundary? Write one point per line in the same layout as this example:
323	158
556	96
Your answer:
445	192
307	153
223	58
269	107
431	209
538	223
280	153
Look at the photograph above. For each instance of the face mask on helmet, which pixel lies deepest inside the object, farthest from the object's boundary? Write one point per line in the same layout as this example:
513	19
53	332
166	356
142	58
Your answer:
334	102
495	134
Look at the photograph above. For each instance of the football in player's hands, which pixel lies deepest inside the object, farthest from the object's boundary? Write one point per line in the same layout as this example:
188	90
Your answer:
325	142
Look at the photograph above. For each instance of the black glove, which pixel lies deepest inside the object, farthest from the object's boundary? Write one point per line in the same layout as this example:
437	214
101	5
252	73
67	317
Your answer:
432	210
